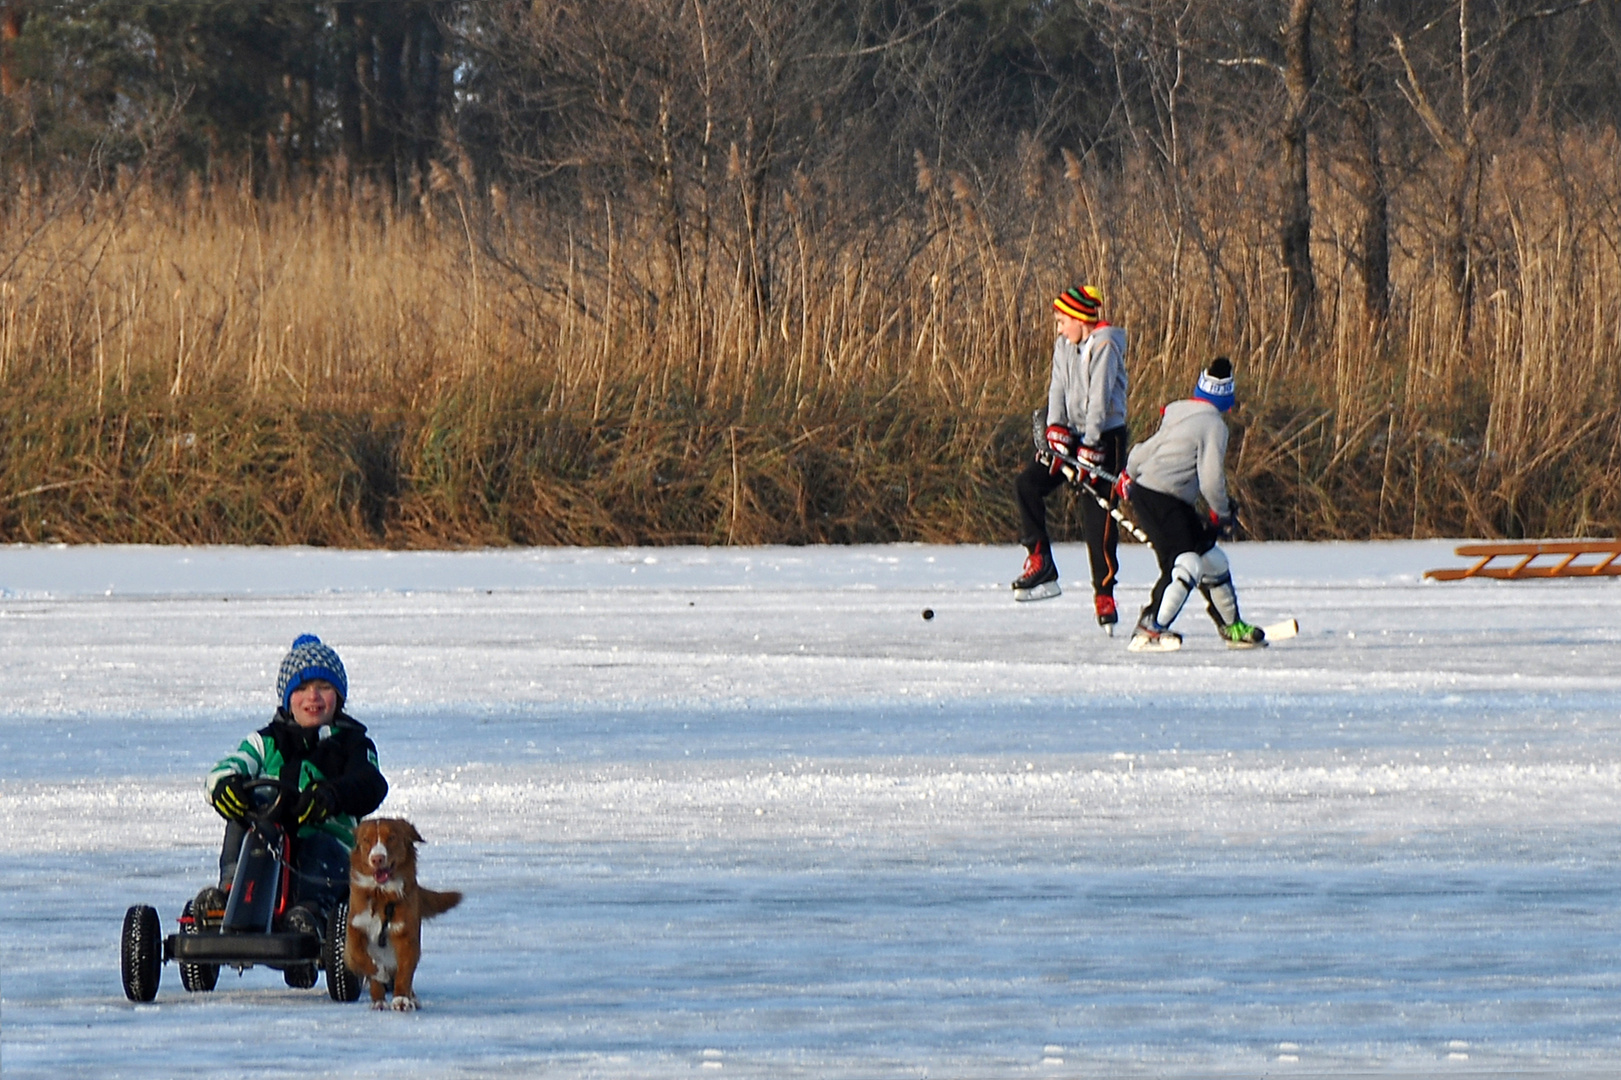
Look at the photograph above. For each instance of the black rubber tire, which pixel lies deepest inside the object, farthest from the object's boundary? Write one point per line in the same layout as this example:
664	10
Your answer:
341	983
196	978
141	953
300	976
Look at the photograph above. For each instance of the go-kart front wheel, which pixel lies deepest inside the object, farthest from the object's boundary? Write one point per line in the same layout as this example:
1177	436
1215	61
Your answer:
341	983
141	953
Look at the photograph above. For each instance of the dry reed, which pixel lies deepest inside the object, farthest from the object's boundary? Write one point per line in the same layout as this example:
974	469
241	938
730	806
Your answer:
204	365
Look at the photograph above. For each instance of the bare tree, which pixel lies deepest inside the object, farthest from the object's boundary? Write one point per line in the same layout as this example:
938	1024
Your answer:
692	110
1295	229
1458	135
1372	252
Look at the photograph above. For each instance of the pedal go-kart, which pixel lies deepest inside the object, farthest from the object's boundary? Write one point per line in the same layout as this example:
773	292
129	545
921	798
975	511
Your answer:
256	926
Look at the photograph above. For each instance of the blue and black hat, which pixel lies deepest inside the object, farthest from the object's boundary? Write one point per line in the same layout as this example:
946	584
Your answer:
309	659
1215	384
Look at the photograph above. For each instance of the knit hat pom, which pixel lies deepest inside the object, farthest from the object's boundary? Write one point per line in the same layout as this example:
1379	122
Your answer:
310	659
1083	302
1215	384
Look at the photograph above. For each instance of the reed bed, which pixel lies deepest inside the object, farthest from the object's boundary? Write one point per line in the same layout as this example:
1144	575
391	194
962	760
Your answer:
185	363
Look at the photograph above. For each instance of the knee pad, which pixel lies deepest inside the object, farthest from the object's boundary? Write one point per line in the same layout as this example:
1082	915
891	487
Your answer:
1214	568
1188	568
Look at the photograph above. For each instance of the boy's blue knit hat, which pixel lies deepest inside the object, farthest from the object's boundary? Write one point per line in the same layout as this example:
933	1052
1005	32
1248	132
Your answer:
1215	384
310	658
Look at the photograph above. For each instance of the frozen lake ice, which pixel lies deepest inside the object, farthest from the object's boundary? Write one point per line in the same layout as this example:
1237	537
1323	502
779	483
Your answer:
744	812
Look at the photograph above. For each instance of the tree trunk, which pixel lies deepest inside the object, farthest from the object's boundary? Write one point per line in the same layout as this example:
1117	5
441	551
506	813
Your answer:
369	126
427	48
1465	180
1300	280
348	84
389	20
1372	253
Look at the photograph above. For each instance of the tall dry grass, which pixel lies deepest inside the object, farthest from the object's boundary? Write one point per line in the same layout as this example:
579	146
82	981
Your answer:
199	364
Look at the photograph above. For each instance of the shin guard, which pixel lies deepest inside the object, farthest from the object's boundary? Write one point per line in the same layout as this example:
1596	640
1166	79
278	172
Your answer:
1216	582
1184	576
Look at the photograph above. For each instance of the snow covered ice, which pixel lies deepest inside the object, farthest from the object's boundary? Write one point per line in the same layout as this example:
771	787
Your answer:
744	812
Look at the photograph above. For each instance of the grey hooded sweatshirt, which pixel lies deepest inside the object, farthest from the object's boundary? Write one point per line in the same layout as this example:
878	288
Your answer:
1088	390
1187	457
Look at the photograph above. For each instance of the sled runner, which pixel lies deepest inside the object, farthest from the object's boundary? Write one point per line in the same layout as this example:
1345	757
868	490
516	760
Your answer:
1520	560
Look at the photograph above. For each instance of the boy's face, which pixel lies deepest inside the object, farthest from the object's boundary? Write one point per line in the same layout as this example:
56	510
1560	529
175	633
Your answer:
1072	329
314	703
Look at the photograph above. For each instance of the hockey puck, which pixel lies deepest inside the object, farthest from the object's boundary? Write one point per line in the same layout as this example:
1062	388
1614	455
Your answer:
928	613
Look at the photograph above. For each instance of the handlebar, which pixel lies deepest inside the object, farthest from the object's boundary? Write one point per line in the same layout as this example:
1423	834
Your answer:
268	812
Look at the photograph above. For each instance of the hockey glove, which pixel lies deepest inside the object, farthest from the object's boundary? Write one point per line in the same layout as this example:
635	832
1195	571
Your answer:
316	805
1091	458
1123	486
230	797
1222	524
1062	441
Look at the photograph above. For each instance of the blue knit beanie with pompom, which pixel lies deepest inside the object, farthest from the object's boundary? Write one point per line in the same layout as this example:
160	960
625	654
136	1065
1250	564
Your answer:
310	658
1215	384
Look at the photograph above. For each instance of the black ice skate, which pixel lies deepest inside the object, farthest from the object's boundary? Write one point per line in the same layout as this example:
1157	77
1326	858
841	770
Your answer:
1040	578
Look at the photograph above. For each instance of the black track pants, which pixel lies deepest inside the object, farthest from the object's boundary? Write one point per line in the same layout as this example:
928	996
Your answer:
1102	535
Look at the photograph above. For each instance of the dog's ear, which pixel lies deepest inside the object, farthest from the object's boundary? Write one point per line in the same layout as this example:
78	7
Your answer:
411	831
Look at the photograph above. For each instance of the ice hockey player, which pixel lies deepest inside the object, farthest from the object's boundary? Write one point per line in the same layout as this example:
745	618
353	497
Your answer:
327	766
1086	419
1164	477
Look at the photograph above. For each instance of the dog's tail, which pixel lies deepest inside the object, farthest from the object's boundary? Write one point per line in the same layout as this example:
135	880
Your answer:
437	903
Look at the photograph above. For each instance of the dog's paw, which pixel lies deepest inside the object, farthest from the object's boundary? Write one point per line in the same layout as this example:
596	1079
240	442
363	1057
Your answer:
407	1003
379	1006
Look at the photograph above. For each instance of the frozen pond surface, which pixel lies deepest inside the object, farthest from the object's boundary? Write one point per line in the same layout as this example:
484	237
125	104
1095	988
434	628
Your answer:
744	812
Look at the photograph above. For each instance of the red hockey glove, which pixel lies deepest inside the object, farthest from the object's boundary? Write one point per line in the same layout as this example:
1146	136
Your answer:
1091	458
1222	525
1123	486
1062	440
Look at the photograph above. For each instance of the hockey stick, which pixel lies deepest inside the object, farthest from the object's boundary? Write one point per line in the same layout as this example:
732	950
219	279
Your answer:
1073	467
1072	472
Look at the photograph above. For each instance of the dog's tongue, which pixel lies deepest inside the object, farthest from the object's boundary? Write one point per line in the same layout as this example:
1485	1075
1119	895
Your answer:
383	875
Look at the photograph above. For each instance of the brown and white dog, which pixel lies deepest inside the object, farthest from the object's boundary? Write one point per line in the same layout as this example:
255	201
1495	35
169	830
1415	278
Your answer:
386	909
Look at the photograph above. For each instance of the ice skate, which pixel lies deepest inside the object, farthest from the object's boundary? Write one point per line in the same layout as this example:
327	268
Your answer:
1040	578
1241	635
1150	636
1107	615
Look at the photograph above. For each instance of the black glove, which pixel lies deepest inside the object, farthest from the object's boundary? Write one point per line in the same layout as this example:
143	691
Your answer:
230	797
316	804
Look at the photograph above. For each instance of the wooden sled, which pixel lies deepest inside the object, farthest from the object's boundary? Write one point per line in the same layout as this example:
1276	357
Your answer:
1516	560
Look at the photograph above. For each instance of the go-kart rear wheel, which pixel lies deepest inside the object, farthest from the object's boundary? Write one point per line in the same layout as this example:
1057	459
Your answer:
302	920
141	953
299	976
196	978
341	983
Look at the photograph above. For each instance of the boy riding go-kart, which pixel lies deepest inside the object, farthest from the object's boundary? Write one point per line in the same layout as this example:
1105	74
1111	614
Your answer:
291	794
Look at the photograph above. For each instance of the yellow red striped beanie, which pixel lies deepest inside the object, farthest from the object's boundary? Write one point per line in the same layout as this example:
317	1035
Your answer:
1084	302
